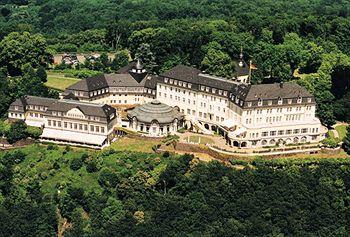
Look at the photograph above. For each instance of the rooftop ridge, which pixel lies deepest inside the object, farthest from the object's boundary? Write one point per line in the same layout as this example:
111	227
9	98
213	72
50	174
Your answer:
81	103
218	78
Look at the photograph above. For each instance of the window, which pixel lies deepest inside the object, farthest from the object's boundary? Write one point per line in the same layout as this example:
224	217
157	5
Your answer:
273	133
85	127
102	129
280	101
264	134
296	131
280	132
92	128
304	130
49	122
299	100
289	131
260	102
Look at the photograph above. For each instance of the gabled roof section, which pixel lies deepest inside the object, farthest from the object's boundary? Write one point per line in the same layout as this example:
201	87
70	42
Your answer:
184	73
195	76
90	83
90	109
120	80
276	90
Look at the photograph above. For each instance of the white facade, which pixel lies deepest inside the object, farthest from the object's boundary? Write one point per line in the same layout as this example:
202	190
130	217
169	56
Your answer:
247	116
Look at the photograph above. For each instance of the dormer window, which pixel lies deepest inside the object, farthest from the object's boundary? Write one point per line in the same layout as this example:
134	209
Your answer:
269	102
260	102
289	101
213	90
180	83
280	100
202	88
220	92
165	79
175	82
249	104
189	85
309	100
171	81
225	93
299	100
207	89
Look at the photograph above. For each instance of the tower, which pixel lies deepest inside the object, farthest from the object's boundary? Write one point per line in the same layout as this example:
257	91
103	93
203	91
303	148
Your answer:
138	72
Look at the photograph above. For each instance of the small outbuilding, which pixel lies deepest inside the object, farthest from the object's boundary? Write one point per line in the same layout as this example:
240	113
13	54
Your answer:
155	119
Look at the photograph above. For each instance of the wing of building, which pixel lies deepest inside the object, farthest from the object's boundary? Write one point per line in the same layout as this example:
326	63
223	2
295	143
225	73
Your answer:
67	121
246	115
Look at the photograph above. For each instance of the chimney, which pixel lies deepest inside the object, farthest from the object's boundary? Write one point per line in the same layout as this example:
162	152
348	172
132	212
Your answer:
281	84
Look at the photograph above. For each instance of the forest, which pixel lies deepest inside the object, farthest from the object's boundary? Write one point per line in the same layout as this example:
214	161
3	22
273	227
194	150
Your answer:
118	193
47	190
305	41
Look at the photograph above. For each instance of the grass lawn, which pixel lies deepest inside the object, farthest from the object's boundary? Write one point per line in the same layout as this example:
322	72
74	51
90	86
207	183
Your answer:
59	81
341	129
135	144
330	133
203	140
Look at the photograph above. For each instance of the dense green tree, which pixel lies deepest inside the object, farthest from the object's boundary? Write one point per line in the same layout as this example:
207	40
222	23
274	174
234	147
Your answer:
18	49
121	59
217	62
17	131
147	57
41	73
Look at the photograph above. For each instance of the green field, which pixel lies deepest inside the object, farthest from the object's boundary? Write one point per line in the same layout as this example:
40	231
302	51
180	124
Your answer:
341	129
59	81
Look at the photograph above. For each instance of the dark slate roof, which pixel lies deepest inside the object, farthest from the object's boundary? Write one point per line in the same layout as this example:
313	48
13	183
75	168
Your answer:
90	83
127	68
241	71
120	80
23	101
70	96
36	100
155	111
196	77
276	90
90	109
151	82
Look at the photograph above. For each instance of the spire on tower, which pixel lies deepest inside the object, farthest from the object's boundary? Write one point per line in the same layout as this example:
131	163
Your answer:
139	65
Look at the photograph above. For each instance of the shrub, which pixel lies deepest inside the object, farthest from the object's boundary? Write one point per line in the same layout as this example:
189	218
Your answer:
16	132
4	127
330	142
92	166
52	147
34	132
76	164
166	154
